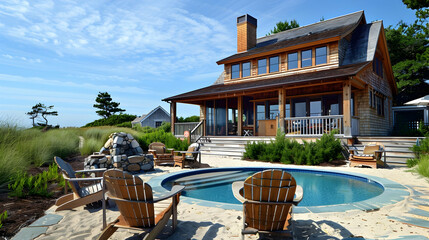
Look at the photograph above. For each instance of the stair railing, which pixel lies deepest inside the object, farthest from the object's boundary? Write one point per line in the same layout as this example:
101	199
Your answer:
197	132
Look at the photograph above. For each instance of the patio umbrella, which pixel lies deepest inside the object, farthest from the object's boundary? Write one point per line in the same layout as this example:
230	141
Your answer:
419	101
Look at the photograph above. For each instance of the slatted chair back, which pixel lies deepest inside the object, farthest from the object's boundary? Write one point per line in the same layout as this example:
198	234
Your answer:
158	147
370	149
269	186
132	196
68	172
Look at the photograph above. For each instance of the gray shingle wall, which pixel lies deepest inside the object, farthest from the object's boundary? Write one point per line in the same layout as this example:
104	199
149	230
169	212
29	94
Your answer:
158	115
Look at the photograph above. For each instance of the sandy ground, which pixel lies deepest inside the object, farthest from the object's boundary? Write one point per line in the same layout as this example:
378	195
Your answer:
197	222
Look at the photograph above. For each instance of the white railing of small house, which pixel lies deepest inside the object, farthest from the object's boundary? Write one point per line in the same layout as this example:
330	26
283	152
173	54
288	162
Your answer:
197	132
180	128
314	126
355	126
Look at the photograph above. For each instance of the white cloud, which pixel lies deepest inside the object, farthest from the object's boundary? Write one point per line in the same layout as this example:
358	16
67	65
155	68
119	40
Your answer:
20	58
165	39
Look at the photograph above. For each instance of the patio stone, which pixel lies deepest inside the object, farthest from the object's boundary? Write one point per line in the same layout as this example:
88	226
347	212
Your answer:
29	233
47	220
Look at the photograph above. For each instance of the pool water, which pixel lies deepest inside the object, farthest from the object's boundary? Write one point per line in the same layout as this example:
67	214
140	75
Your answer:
320	188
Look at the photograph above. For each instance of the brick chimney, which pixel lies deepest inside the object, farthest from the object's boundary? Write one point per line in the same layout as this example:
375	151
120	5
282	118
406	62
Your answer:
246	32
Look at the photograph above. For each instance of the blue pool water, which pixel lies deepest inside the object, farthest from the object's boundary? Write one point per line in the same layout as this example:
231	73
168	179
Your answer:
320	188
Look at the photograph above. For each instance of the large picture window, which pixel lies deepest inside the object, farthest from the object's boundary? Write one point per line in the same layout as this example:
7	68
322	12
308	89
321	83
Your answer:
235	71
292	60
306	56
321	55
262	66
274	64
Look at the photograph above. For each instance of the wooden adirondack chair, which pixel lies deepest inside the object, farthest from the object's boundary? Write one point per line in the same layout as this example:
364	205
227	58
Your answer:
136	204
370	157
192	155
161	154
267	199
80	195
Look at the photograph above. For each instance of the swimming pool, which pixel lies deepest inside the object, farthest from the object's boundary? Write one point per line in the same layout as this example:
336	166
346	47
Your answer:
324	190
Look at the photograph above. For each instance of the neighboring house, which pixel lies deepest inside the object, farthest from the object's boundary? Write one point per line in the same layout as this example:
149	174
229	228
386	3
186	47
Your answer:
410	117
333	75
153	119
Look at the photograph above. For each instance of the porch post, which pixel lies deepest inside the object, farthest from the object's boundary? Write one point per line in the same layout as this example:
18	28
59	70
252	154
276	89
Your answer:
282	102
172	115
347	95
240	115
203	117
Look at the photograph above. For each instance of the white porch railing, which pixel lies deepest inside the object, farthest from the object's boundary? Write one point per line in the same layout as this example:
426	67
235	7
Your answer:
314	126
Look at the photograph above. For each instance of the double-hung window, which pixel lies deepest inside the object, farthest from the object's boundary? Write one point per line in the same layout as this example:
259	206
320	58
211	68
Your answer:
235	71
321	55
246	69
292	60
262	66
274	64
306	58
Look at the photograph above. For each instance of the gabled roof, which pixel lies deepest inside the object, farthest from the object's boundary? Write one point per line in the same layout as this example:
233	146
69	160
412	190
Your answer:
340	72
144	116
335	27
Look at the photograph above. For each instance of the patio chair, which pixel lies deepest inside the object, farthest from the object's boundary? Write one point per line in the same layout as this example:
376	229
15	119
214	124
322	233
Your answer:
136	205
80	195
267	199
161	154
192	155
370	157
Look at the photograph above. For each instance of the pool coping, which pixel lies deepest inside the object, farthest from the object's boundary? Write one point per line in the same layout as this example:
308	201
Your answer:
393	191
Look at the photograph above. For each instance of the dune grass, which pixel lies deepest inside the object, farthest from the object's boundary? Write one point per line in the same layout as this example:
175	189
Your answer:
21	149
423	166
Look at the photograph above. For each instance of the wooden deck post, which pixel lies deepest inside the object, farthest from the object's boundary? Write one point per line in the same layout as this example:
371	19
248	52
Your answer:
347	95
172	115
240	116
282	102
203	117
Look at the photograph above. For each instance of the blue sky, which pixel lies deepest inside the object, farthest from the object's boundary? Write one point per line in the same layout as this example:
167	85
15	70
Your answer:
64	52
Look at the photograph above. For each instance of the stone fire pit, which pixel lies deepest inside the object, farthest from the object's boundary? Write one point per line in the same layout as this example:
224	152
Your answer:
121	151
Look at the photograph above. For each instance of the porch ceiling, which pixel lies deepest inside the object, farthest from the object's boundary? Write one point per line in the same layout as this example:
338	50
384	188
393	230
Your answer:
252	86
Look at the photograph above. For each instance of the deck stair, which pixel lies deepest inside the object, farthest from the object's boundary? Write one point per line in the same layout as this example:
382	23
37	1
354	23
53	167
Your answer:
397	148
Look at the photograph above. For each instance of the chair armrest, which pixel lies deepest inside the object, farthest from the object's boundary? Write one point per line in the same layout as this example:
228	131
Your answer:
236	187
92	170
84	179
182	152
352	151
299	194
175	190
151	150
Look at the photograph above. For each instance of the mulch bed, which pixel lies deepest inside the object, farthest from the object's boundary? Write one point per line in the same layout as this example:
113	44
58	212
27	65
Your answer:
24	211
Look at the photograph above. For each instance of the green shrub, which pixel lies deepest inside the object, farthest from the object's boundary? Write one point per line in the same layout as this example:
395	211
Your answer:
160	135
125	124
422	148
189	119
24	185
3	217
411	162
112	120
288	151
423	166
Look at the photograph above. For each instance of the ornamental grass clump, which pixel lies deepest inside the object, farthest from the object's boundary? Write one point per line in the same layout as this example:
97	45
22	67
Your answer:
289	151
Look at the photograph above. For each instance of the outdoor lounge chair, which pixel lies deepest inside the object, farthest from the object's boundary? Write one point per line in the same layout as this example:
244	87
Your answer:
267	199
370	157
161	154
192	155
80	195
136	204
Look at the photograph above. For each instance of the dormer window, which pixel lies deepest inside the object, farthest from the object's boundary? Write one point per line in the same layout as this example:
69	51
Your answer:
274	64
246	69
321	55
306	58
377	66
292	60
262	66
235	71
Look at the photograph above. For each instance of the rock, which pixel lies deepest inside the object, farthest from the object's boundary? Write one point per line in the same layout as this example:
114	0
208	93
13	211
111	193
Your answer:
102	160
124	157
117	164
147	166
130	137
116	159
97	156
136	159
108	143
139	150
134	167
134	144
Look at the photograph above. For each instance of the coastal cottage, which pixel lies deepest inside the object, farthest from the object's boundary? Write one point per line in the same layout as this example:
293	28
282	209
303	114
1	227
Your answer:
154	118
331	76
